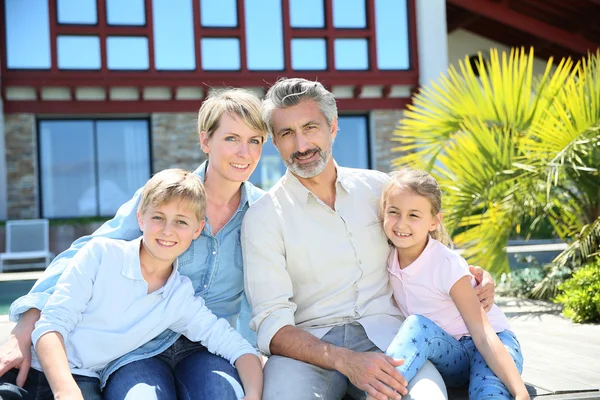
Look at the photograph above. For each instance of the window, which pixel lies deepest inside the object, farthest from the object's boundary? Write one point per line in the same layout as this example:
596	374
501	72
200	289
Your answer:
82	12
264	35
90	167
130	12
392	37
174	47
351	54
349	14
127	52
218	13
307	14
78	52
27	34
220	54
350	149
309	54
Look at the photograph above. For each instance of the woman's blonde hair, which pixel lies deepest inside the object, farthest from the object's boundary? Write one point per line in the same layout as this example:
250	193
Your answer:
174	184
236	102
422	184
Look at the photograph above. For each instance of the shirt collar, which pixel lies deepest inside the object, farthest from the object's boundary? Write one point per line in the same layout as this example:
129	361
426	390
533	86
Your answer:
132	267
414	268
303	194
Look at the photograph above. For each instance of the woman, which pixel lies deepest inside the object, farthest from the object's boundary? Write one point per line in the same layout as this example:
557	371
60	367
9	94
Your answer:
232	134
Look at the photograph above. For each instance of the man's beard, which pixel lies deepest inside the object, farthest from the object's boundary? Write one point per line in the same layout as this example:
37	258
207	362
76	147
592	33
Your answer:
311	169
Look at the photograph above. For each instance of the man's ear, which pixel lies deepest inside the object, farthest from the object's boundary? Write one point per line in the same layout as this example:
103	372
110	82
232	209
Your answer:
334	128
204	142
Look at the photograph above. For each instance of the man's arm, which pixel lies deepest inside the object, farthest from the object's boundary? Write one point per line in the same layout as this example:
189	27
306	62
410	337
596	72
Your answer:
269	289
484	288
51	352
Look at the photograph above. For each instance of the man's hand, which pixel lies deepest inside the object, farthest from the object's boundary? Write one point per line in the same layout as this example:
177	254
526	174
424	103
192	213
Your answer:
375	373
484	288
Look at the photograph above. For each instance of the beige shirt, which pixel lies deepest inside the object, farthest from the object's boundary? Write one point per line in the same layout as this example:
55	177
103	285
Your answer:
312	267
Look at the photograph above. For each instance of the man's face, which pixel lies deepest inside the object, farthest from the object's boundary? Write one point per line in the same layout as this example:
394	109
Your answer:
303	138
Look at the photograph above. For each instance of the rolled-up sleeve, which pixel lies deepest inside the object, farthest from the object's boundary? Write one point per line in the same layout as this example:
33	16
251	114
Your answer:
216	334
267	282
73	291
123	226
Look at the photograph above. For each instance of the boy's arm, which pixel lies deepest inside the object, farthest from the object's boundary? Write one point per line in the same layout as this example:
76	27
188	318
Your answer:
250	370
485	338
51	352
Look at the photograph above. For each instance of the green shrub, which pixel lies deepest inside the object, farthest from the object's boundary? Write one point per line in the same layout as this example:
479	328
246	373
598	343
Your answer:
520	282
580	294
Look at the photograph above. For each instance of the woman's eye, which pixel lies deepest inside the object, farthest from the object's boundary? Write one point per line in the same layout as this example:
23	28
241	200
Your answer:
230	138
255	141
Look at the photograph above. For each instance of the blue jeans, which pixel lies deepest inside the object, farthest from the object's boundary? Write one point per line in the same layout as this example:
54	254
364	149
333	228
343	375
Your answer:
185	371
37	387
458	361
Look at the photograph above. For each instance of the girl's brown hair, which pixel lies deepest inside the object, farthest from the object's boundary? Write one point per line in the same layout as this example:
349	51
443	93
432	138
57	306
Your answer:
422	184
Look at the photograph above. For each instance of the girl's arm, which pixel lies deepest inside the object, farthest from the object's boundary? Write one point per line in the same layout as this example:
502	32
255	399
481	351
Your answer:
485	338
250	370
51	352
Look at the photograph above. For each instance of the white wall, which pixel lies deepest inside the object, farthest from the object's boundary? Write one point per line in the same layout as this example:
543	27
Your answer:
462	43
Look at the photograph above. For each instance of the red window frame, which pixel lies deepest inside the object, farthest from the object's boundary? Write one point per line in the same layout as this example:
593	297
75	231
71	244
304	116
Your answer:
193	78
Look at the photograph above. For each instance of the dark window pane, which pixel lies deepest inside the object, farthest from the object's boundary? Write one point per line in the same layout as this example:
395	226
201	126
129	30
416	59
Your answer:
350	148
309	54
77	12
127	52
391	29
78	52
218	13
349	14
130	12
264	35
269	169
27	34
174	47
123	161
220	54
307	14
351	54
68	171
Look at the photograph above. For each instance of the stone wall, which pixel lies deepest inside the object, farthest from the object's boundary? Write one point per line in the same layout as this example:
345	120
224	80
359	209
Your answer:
175	142
21	166
383	124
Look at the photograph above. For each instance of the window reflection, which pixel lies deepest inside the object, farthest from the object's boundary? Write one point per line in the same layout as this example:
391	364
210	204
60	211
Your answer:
220	54
264	35
27	34
130	12
174	47
349	14
77	12
309	54
351	54
218	13
307	14
125	52
78	52
391	30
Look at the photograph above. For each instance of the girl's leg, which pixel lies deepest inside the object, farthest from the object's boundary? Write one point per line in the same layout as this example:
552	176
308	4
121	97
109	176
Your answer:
203	375
419	340
150	379
484	384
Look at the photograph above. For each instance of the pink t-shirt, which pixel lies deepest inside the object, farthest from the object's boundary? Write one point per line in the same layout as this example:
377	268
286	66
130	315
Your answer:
424	288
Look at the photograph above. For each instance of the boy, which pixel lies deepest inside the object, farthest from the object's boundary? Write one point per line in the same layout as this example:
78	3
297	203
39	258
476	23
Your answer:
117	295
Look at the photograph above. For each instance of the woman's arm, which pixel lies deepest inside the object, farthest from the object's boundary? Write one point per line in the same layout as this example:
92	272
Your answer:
250	370
51	352
485	338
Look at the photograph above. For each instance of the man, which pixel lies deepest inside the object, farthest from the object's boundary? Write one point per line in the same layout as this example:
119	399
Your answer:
315	265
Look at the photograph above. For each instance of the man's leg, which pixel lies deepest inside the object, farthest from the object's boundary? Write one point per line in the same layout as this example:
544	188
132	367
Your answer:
426	385
289	379
150	379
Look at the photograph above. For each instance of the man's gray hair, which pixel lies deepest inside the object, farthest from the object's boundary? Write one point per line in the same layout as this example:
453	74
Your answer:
288	92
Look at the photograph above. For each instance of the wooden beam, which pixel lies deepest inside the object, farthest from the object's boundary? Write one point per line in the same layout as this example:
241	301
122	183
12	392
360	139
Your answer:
542	30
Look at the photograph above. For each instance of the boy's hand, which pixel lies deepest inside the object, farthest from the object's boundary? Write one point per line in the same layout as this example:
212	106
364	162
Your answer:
70	393
15	352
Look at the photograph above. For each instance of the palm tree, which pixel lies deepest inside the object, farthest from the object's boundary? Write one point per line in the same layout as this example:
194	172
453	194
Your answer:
511	149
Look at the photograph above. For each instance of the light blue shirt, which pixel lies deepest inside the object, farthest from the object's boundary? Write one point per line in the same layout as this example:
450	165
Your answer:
102	309
212	262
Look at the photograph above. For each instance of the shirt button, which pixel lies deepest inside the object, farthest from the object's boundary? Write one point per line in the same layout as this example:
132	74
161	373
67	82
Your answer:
214	252
359	262
350	234
355	287
205	286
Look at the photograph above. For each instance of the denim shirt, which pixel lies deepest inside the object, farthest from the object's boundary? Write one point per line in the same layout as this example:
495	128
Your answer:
213	263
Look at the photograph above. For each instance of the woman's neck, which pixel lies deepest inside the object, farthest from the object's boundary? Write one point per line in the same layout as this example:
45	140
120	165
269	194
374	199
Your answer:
220	191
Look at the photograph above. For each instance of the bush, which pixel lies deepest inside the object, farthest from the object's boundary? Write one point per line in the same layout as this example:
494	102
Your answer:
580	294
520	282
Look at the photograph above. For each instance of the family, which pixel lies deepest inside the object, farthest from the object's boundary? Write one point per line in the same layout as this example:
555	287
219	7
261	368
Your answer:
324	268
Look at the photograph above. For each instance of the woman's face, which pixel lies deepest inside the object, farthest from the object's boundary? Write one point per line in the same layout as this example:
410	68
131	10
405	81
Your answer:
234	149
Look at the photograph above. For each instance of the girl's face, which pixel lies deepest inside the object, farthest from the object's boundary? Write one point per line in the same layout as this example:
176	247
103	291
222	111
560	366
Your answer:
408	219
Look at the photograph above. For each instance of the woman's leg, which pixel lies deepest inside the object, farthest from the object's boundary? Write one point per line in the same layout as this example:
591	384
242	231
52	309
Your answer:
484	383
420	339
202	375
150	379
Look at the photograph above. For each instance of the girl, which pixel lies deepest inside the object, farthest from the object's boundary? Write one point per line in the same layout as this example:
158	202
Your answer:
433	288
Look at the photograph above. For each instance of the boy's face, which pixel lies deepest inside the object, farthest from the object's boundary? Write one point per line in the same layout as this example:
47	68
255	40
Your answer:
169	229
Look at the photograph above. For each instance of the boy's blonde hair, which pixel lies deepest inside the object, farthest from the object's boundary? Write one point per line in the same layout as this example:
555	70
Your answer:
174	184
422	184
237	103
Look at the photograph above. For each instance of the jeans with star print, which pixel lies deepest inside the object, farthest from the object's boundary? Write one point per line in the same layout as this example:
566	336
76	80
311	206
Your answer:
458	361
